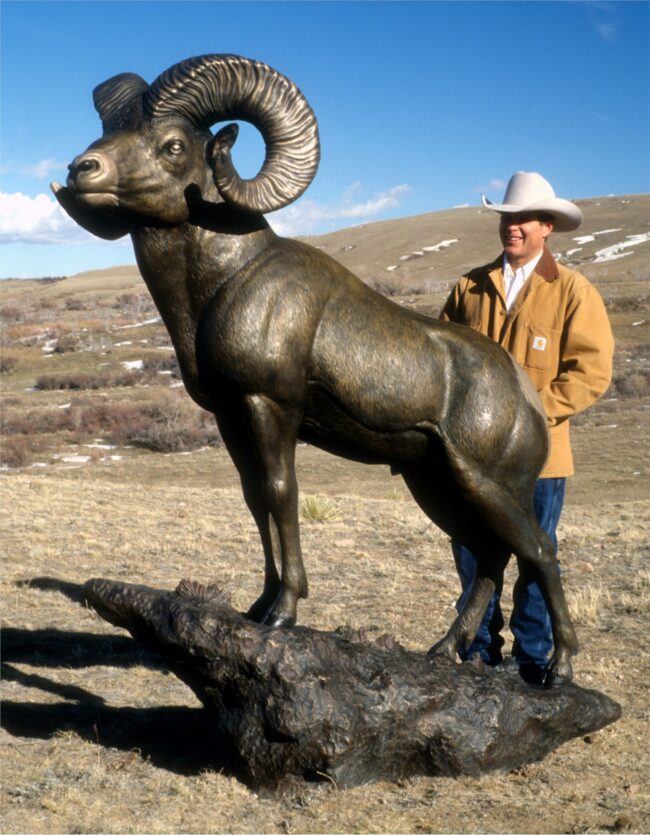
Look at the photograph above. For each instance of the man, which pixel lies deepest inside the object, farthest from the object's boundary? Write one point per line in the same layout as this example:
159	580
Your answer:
554	323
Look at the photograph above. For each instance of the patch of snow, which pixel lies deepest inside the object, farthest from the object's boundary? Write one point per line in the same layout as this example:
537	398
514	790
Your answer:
49	345
64	406
153	321
441	245
133	365
392	268
100	446
611	253
584	239
76	459
176	385
120	344
572	251
166	372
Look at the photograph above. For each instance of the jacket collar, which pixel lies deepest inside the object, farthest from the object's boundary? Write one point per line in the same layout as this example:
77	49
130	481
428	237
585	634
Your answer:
546	266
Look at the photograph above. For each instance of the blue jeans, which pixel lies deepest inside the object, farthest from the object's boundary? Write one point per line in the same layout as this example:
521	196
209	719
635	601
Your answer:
530	622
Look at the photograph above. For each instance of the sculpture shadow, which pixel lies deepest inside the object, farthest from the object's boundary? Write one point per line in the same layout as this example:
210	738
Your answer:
176	738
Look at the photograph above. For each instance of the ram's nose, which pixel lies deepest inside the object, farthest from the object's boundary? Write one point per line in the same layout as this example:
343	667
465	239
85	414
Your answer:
90	172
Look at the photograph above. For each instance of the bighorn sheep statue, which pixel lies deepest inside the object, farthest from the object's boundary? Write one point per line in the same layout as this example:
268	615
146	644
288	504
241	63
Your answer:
282	343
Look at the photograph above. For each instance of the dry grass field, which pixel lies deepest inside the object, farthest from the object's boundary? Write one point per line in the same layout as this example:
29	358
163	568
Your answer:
108	470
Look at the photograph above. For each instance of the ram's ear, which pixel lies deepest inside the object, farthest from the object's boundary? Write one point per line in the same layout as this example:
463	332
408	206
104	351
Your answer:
222	142
219	154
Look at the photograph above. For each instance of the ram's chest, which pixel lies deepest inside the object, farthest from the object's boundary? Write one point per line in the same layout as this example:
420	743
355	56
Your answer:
258	336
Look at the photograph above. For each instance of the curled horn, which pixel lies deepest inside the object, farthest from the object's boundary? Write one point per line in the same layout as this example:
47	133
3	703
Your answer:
211	88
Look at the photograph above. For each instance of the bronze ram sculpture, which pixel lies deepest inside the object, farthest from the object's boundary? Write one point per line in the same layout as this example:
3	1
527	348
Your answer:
282	343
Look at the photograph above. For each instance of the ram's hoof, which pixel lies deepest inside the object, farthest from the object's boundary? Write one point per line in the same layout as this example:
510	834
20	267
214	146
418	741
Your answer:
276	621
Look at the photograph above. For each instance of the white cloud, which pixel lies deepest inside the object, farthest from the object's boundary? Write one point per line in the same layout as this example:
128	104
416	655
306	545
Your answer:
604	19
493	185
44	168
306	216
40	219
37	219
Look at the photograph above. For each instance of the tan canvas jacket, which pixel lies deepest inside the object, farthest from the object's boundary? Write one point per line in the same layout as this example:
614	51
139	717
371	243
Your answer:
557	329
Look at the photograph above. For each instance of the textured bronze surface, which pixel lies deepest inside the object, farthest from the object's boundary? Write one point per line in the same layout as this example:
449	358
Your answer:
337	705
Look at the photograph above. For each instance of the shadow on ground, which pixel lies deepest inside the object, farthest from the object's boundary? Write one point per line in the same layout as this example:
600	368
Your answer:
175	738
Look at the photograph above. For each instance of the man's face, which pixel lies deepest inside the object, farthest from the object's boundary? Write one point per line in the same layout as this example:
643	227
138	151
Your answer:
523	235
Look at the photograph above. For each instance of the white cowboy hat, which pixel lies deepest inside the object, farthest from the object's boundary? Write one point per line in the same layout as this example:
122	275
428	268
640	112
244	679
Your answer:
528	191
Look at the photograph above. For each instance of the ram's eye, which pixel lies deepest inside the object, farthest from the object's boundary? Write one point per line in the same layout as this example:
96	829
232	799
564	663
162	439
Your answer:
175	147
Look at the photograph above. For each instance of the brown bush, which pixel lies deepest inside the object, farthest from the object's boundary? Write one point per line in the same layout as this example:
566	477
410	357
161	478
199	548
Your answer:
154	365
72	303
68	343
7	364
170	424
11	313
631	384
35	422
83	381
135	304
19	451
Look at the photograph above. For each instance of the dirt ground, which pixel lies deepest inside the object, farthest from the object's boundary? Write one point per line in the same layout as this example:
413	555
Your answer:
98	738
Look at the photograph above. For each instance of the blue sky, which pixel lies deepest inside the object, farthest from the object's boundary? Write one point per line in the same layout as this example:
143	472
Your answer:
421	105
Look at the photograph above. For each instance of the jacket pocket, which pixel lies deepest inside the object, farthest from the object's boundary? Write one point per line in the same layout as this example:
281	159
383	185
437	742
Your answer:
541	348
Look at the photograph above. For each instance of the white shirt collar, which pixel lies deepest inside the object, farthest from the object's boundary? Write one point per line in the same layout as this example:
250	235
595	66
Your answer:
527	268
514	280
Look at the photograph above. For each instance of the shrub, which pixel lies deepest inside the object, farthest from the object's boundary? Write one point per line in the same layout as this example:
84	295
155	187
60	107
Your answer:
73	303
318	509
154	365
631	384
135	304
83	381
36	422
11	313
18	452
7	364
68	343
170	425
586	605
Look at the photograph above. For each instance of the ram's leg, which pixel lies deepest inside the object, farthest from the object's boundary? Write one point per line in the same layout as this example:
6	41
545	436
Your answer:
274	429
489	573
238	443
515	524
